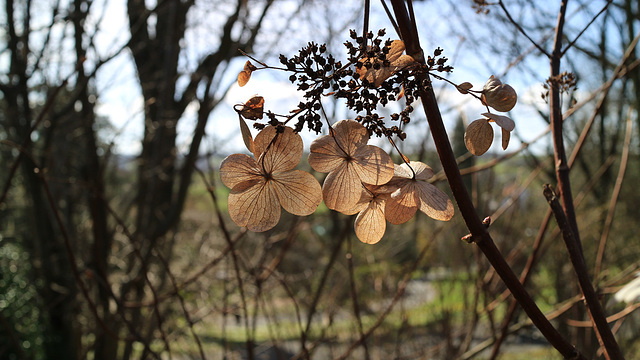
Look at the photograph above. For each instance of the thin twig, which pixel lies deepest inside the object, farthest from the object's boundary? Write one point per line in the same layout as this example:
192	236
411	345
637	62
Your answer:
614	197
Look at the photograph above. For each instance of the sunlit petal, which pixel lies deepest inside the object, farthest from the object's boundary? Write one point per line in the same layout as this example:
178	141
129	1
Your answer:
434	202
373	165
370	224
325	154
255	207
504	122
279	151
402	205
238	168
298	191
350	135
342	188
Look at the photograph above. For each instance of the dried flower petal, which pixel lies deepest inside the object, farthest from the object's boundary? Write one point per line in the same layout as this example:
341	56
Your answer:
499	96
478	137
370	223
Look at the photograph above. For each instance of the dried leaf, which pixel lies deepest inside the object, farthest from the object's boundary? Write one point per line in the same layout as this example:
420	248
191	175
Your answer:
253	109
503	121
478	137
506	135
245	74
499	96
464	87
246	135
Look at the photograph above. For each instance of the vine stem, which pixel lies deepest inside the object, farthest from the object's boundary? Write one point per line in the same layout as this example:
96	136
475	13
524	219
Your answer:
479	234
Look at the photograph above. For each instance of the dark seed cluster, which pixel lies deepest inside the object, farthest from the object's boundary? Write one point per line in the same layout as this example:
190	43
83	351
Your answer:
318	74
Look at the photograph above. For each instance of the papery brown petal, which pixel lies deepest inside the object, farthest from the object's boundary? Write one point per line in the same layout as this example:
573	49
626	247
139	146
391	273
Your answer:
402	204
395	50
370	224
256	207
422	170
478	137
365	198
506	135
253	109
434	202
325	155
373	165
298	191
238	168
403	62
342	188
499	96
350	135
278	151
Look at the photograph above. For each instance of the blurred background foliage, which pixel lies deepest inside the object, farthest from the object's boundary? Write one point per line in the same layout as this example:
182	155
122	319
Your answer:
115	242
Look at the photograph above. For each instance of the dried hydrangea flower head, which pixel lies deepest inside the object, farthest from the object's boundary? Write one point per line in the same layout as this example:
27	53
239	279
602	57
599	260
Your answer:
260	187
499	96
350	162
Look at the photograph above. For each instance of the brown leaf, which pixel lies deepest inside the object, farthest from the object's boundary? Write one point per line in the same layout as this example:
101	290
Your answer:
478	137
506	135
245	74
246	135
464	87
253	109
